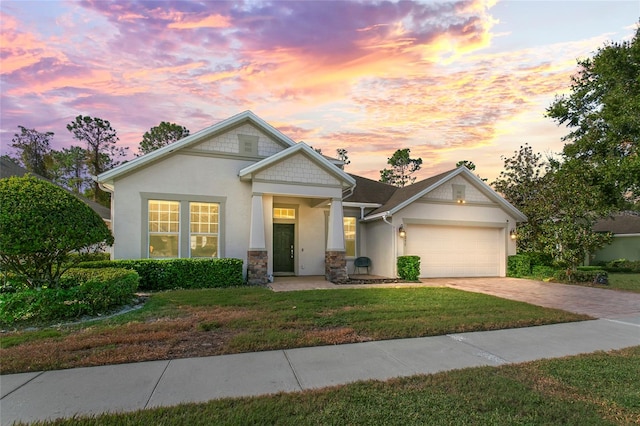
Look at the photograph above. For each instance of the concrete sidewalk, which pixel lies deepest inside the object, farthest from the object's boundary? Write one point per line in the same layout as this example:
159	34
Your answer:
126	387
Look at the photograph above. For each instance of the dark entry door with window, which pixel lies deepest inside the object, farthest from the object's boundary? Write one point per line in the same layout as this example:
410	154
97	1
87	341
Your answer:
283	250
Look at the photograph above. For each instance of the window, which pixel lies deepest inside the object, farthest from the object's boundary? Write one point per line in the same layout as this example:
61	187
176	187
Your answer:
164	229
185	226
350	236
283	213
203	224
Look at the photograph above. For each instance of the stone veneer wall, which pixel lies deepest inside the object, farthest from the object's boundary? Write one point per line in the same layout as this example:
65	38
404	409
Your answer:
257	267
335	266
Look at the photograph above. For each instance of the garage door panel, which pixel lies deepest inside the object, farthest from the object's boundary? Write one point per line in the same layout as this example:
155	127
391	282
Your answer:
451	251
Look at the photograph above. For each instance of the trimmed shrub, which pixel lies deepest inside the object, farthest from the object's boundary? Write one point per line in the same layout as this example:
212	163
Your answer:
169	274
518	265
41	224
409	267
593	276
543	272
82	292
623	265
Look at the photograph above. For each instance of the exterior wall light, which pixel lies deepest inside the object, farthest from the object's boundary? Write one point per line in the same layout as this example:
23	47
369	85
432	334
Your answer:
513	234
402	232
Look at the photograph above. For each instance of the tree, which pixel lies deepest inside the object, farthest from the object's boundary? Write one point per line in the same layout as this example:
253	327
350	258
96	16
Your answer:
468	164
342	156
102	151
402	168
70	169
34	150
573	205
602	111
41	224
161	135
560	204
520	183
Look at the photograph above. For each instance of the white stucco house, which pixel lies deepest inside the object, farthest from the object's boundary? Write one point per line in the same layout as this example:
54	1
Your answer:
243	189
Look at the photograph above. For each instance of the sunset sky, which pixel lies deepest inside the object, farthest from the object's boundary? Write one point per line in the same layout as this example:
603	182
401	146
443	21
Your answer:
454	80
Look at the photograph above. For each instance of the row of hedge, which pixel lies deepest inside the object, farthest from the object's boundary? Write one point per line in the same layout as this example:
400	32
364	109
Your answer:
83	292
171	274
539	266
620	265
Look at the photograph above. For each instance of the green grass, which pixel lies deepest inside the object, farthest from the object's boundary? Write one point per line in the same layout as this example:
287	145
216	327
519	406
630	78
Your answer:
28	336
175	324
626	282
594	389
376	313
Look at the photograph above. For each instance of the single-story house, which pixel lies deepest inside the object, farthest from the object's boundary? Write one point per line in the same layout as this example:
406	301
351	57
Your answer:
625	229
243	189
8	169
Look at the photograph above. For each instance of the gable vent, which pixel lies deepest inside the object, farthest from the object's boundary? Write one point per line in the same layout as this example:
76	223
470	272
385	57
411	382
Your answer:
248	145
458	193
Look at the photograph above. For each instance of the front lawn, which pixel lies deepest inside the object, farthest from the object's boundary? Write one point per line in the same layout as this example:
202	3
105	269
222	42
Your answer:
186	323
627	282
594	389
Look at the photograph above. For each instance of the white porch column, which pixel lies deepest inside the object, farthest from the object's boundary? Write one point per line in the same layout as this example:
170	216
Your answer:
335	239
256	238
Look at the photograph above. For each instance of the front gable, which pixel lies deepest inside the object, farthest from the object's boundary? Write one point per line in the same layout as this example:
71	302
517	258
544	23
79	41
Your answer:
245	141
459	185
298	171
243	136
458	189
297	168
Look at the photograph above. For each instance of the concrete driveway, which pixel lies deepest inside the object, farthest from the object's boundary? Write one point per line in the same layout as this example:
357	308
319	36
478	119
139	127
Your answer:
595	302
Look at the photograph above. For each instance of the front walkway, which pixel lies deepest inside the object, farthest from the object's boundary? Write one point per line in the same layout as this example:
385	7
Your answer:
595	302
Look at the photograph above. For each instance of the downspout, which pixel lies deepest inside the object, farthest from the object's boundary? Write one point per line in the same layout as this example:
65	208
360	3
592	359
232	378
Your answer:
393	243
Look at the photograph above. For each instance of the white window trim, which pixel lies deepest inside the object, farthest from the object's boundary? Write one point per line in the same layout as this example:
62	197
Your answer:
184	237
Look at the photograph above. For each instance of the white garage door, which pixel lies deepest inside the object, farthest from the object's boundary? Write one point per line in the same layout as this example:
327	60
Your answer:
452	251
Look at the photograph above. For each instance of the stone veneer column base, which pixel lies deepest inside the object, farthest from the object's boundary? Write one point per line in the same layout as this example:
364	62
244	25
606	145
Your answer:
335	266
257	267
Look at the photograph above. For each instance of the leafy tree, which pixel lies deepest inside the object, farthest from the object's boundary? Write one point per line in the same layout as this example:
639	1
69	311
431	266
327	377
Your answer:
342	155
573	205
468	164
70	169
41	224
602	111
102	151
520	183
560	203
34	150
161	135
402	168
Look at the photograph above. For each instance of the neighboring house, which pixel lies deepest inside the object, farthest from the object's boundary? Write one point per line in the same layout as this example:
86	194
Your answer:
625	228
9	168
242	189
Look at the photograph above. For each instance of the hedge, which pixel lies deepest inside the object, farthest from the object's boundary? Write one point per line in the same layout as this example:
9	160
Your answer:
409	267
621	265
83	292
170	274
594	276
528	264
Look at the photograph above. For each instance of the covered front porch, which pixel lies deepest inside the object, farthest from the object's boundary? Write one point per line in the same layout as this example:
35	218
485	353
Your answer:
296	216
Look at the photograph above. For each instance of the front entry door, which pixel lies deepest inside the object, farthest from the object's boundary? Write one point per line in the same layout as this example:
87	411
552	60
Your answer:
283	249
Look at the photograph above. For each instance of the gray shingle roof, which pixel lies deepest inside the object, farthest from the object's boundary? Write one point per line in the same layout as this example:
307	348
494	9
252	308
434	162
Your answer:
620	223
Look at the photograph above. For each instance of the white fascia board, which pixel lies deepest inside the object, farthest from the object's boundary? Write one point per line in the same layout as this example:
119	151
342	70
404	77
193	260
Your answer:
108	176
